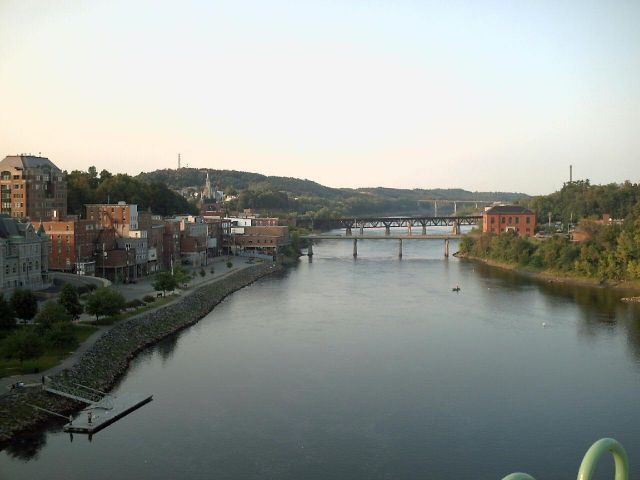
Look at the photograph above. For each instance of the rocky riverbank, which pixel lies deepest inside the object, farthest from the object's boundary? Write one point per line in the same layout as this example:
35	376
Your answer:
108	359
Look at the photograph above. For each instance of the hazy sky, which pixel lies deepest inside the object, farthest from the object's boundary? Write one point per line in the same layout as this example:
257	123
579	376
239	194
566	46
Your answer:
484	95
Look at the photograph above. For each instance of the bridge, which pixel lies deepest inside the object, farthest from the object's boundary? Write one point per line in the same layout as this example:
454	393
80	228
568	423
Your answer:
395	222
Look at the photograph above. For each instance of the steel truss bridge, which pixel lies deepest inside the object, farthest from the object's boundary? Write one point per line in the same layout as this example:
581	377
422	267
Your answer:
407	222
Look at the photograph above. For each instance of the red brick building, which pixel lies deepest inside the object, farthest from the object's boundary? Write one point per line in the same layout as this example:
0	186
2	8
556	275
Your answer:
503	218
72	242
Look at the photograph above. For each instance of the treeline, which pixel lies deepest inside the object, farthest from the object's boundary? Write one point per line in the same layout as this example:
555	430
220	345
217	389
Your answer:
610	252
288	196
90	187
580	199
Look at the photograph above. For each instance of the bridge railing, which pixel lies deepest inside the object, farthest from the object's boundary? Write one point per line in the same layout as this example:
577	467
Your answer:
590	461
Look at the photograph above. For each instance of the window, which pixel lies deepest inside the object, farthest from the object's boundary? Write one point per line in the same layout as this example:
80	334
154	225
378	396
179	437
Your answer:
504	219
517	220
493	219
528	220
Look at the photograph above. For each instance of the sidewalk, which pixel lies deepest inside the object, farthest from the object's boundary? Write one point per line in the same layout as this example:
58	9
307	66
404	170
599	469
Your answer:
139	290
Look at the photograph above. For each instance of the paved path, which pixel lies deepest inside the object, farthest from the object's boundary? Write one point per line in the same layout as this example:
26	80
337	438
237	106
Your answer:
142	288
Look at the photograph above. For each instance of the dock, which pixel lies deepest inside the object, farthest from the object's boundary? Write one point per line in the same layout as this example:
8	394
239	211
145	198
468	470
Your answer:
102	408
95	417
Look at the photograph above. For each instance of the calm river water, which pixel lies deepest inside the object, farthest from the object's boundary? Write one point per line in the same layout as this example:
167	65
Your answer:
372	369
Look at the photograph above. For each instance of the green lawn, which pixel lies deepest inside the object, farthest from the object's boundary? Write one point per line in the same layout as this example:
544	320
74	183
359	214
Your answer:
51	357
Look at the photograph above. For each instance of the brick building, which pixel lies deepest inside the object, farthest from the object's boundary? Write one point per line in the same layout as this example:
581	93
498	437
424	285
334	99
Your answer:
73	244
121	217
259	240
504	218
32	187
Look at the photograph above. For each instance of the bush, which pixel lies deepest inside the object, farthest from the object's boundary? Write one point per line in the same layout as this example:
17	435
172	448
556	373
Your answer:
23	344
69	300
135	303
24	303
148	299
7	315
211	270
61	335
202	272
229	264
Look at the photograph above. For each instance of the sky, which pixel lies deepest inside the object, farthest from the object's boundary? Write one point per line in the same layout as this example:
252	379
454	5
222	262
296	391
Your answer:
482	95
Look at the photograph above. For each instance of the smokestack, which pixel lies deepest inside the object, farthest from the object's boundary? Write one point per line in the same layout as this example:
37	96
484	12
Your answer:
570	173
178	161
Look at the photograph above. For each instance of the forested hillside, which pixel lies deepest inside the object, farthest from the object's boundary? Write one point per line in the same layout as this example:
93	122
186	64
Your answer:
89	187
287	195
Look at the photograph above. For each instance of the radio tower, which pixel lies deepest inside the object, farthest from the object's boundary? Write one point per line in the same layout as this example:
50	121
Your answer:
178	161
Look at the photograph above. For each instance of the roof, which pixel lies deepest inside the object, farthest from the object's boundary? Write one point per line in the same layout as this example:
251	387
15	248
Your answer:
509	209
8	226
28	161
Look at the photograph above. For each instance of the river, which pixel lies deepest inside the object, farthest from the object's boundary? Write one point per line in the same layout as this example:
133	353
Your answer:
372	369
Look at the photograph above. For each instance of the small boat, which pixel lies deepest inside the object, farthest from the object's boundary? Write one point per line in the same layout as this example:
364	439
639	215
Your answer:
455	289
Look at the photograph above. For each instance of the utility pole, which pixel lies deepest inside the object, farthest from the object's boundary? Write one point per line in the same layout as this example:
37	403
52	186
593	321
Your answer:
178	161
549	220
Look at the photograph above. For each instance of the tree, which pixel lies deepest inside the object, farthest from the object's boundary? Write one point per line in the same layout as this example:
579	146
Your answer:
69	300
23	344
181	275
164	281
24	303
104	301
61	335
51	313
7	315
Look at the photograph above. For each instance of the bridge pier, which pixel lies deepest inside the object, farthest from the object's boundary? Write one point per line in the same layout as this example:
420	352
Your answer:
409	228
456	228
387	230
310	249
348	233
400	248
424	229
361	230
446	247
355	248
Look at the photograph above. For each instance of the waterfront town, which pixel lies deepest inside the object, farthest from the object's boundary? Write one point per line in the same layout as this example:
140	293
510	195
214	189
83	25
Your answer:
116	240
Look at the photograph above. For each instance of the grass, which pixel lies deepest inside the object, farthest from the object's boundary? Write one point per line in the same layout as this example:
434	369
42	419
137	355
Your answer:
50	358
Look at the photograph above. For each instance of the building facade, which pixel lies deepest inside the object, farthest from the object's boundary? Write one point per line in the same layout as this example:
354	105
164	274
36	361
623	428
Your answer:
505	218
73	245
23	256
121	217
33	188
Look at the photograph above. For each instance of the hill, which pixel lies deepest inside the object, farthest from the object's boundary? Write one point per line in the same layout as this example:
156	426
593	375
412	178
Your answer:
288	195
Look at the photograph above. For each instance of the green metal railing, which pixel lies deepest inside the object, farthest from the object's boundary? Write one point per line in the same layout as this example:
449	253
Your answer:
591	459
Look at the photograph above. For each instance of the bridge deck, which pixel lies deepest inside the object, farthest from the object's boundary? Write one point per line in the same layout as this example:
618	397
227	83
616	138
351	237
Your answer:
383	237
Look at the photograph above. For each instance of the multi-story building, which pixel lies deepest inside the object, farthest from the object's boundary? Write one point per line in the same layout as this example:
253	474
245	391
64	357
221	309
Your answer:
121	217
505	218
32	187
259	241
73	244
23	255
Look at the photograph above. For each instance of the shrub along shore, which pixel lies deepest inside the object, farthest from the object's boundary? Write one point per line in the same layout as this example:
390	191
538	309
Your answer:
108	359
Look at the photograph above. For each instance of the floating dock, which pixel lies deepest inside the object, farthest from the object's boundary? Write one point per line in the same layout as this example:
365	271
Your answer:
96	417
103	408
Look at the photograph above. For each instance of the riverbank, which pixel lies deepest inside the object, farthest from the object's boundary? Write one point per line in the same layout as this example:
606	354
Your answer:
552	277
108	358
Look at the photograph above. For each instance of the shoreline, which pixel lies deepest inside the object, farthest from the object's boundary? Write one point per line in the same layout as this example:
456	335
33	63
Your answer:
102	365
551	277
